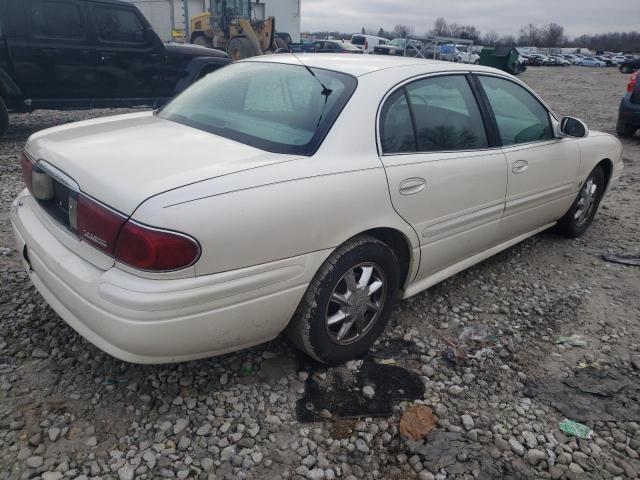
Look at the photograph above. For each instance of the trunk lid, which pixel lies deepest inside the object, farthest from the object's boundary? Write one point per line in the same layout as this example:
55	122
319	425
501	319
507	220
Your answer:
123	160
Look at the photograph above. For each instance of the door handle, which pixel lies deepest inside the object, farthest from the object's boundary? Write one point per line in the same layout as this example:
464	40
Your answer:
411	186
519	166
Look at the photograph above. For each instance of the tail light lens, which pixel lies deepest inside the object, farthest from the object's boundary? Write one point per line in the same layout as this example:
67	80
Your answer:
27	170
129	242
633	82
152	249
95	223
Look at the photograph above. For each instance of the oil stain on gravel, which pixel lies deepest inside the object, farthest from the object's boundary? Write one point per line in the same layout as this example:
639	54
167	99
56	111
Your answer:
343	391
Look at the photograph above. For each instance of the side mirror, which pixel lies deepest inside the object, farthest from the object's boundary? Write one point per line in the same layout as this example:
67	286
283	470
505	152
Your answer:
572	127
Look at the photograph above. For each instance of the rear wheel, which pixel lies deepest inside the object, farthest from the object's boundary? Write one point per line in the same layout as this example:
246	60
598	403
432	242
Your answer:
624	130
4	117
203	41
579	217
240	48
348	303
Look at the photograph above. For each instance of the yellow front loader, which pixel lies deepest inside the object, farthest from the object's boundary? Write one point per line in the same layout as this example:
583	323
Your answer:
229	27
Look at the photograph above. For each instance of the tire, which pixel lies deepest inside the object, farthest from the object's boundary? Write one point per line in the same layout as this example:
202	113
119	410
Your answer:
309	329
203	41
281	46
624	130
580	216
240	48
4	118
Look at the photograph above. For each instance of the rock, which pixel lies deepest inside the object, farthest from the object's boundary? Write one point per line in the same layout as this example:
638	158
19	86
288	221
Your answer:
316	474
273	420
126	472
516	446
361	446
206	464
535	456
54	433
368	392
35	461
53	475
456	390
184	443
180	425
417	422
530	439
467	422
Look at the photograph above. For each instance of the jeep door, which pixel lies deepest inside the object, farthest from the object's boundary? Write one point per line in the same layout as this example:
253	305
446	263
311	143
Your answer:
58	64
129	54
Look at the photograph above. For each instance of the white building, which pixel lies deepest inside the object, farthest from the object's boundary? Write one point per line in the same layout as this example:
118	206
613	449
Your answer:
168	16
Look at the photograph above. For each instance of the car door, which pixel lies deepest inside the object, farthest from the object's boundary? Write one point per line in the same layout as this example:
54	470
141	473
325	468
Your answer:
128	56
543	170
59	62
446	177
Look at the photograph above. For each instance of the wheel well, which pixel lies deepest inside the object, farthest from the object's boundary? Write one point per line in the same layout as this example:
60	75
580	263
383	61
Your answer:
607	166
399	244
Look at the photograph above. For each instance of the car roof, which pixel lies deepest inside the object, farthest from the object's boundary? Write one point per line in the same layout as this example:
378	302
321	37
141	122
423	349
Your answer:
358	65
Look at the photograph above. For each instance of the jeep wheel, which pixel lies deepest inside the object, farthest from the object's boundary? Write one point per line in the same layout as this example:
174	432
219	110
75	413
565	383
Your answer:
4	117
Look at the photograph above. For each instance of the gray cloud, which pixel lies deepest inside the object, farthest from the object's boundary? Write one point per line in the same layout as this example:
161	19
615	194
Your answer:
504	16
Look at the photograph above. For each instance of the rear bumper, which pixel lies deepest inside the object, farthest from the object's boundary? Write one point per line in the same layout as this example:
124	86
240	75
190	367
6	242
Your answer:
160	321
629	112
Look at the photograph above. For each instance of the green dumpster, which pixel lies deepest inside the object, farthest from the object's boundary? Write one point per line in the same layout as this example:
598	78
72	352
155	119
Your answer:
503	58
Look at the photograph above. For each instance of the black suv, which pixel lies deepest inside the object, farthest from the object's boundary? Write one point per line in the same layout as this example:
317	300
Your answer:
68	54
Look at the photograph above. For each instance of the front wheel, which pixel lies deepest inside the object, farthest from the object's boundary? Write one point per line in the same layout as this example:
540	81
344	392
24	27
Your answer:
580	216
624	130
348	303
240	48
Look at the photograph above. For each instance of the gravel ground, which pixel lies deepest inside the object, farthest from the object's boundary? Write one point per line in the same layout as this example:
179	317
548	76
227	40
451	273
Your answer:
68	410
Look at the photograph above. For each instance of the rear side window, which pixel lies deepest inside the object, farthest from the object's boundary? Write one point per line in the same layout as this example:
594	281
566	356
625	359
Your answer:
446	114
358	40
118	25
521	118
57	19
396	128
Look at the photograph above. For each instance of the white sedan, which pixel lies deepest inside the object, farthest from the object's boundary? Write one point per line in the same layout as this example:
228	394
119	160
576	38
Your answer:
278	195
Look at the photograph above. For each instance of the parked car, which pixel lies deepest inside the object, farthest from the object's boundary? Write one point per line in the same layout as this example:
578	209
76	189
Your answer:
466	54
559	60
298	218
629	65
629	112
397	47
90	54
607	61
533	60
368	42
335	46
590	62
304	46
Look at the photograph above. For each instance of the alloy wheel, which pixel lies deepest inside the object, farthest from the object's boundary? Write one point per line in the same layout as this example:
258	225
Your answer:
355	303
586	202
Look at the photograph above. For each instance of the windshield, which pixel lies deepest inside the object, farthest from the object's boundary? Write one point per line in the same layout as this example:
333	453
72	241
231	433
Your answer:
397	42
276	107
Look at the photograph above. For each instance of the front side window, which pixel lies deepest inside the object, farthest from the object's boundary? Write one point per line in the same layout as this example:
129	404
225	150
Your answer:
520	116
118	25
446	114
57	19
275	107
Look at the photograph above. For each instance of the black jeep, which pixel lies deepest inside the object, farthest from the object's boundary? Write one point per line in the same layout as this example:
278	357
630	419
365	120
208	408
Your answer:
72	54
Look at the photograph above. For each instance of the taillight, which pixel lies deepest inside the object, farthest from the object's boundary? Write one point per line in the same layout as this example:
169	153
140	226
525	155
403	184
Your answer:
148	248
95	223
27	170
633	82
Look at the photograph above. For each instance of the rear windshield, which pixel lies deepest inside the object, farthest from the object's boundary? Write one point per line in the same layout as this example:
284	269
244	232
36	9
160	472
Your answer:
275	107
358	40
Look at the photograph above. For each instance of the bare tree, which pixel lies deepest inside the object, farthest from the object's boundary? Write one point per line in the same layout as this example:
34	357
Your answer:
440	28
491	38
507	41
529	35
553	35
402	31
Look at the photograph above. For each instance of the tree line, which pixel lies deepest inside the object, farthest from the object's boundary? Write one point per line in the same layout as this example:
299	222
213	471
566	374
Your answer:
546	36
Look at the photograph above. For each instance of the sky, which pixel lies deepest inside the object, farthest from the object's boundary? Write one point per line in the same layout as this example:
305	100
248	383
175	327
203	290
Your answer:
504	16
